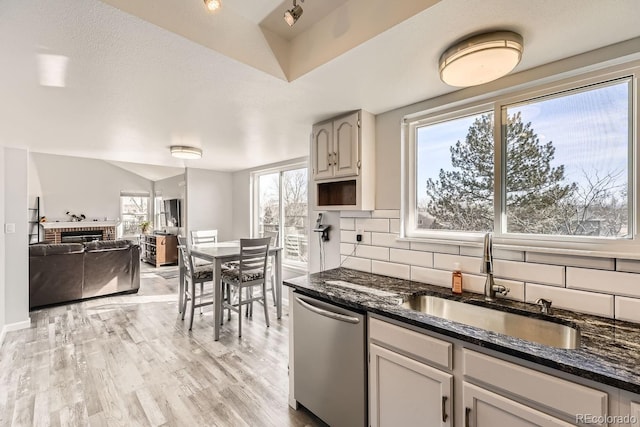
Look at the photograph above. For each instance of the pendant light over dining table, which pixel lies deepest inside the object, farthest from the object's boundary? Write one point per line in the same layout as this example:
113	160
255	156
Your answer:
481	58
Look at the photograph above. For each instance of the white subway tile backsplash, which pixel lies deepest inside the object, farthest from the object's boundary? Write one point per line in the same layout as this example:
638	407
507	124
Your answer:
467	264
347	223
516	289
347	248
585	302
388	240
394	226
627	309
390	269
529	272
373	224
628	265
608	282
571	260
360	264
385	213
435	247
508	254
431	276
403	256
473	283
355	214
350	237
373	252
471	251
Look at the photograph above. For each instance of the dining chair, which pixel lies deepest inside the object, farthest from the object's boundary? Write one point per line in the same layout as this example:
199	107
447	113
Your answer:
194	275
199	237
251	271
273	235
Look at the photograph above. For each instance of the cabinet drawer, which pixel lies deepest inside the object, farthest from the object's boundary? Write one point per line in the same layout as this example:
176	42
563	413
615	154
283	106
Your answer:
557	394
413	344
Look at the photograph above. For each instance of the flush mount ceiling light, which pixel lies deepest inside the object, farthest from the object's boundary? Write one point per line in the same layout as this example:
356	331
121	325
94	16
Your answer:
481	59
185	152
293	14
213	5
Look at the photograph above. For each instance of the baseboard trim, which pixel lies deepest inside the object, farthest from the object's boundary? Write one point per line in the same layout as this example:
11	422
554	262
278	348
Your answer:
14	327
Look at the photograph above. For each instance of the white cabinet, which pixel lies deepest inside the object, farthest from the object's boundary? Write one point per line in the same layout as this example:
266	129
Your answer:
335	147
343	162
483	408
404	392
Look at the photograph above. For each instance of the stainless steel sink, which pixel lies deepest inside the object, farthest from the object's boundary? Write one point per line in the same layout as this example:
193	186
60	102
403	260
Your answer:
528	328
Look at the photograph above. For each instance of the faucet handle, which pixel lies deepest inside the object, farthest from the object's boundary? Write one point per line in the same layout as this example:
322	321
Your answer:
545	305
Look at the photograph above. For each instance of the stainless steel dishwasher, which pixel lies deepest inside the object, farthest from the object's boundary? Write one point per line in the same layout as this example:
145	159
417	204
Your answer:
330	376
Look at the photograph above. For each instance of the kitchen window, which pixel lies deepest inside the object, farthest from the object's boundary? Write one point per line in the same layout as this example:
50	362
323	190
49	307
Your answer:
280	205
550	167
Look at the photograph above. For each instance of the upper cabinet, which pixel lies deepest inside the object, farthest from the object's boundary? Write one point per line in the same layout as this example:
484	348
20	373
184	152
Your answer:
343	162
335	147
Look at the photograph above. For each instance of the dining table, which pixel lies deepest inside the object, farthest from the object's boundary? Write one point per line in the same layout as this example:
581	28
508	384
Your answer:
222	252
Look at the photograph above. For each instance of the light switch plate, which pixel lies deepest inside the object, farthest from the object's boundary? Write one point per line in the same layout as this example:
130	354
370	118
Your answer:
9	228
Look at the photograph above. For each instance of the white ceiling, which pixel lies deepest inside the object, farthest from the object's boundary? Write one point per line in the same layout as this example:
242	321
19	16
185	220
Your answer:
229	83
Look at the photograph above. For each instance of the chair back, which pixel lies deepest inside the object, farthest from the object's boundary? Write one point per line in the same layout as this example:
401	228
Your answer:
253	255
185	253
201	237
273	235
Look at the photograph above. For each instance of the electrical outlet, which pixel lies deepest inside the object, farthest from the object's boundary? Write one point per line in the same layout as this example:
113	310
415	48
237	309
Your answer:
359	235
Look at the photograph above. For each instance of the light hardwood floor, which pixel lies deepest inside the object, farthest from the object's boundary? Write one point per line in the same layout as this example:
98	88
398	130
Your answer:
130	361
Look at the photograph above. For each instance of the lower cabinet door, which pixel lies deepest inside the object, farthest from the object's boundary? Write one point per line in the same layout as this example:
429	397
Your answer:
404	392
483	408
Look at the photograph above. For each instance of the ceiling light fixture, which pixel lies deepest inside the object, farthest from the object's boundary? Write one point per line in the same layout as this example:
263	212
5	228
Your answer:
293	14
480	59
213	5
186	152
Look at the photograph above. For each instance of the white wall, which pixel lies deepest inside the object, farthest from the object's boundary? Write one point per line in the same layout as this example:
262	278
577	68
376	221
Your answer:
2	251
81	186
14	280
209	202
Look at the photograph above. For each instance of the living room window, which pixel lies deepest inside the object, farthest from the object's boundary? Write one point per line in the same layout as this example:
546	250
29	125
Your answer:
550	167
134	209
280	205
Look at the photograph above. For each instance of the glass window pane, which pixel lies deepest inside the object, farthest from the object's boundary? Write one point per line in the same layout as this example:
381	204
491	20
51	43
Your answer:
455	174
268	203
133	211
567	164
294	199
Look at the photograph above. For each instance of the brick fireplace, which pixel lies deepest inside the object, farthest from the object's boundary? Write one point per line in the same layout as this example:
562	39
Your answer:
53	231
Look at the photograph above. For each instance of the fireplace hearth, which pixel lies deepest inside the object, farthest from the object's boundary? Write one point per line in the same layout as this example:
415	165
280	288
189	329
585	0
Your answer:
80	236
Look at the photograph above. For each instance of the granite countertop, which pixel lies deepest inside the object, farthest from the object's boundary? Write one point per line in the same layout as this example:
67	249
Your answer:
609	351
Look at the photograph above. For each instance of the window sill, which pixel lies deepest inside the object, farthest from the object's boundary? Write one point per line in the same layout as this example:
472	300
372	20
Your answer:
631	253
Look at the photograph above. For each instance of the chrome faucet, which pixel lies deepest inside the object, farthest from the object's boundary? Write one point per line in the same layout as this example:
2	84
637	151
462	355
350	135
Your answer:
490	287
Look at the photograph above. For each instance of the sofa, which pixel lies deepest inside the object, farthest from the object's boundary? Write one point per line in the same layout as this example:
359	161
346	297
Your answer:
66	272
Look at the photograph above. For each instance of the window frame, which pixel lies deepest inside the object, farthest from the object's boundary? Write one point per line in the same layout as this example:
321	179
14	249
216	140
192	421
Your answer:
600	246
139	194
255	204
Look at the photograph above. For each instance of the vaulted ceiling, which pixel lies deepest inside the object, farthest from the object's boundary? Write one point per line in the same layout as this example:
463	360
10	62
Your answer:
142	75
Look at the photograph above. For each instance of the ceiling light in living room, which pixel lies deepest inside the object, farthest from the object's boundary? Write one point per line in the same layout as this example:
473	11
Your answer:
213	5
293	14
480	59
186	152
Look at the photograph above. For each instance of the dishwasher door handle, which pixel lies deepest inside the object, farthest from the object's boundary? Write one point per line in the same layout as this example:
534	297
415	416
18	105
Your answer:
327	313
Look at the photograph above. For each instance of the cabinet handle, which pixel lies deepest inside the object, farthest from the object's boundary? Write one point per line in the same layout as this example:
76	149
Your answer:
467	415
444	409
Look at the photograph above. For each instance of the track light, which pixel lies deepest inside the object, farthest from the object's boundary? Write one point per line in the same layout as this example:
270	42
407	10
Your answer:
293	14
213	5
185	152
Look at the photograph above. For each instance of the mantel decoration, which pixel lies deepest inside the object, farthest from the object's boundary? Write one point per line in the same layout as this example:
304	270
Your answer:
76	218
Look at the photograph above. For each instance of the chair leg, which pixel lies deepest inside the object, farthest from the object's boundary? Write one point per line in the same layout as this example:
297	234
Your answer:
201	293
273	288
193	304
264	303
239	312
185	297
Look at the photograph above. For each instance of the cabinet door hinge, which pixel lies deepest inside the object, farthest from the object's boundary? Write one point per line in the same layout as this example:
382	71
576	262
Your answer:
358	123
